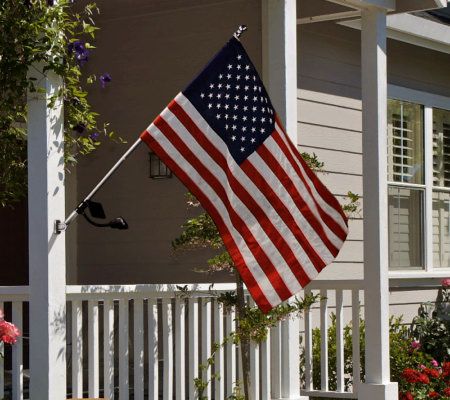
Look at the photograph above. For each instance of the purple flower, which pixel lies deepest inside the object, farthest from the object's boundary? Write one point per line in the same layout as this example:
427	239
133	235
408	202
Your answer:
81	52
94	136
80	128
104	79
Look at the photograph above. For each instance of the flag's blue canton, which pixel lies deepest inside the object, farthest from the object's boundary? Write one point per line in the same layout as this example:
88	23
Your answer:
231	97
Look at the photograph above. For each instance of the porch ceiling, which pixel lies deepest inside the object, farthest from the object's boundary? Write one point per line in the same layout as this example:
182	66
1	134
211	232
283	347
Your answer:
323	10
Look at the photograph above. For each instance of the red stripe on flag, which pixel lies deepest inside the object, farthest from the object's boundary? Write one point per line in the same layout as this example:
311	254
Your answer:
331	223
228	240
320	187
262	258
293	191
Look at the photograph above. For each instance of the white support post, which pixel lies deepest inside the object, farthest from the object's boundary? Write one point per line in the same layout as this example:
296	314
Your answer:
377	384
279	55
47	258
279	45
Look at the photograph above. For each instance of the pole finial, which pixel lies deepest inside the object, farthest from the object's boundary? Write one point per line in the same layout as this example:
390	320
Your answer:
241	29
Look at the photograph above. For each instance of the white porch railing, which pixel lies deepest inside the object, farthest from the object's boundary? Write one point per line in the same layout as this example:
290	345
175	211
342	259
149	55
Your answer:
147	342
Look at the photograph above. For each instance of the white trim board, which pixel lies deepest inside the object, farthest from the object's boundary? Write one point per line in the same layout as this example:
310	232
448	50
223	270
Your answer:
417	96
414	30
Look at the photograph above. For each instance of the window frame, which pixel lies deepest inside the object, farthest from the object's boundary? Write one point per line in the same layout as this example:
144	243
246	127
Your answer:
428	101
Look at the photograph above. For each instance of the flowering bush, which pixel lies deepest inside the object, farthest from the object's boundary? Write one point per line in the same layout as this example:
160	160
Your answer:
425	382
432	326
9	333
61	36
426	363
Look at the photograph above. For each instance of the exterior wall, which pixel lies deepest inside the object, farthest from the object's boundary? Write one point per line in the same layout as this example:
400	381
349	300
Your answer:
14	245
329	124
152	50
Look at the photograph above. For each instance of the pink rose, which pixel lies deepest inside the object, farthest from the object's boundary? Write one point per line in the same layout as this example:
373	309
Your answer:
446	283
8	332
434	363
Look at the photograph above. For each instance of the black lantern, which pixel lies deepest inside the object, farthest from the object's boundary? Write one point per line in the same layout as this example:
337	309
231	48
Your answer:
158	170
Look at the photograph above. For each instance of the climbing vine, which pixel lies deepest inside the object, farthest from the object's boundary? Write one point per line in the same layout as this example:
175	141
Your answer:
46	36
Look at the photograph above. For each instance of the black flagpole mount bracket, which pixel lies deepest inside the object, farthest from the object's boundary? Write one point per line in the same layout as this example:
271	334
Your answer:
240	30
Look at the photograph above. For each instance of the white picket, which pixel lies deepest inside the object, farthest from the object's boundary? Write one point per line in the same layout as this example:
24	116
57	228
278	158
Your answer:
230	352
275	361
265	368
124	392
108	349
167	349
17	353
219	359
193	345
77	349
153	375
323	340
339	341
308	346
206	343
180	349
138	346
93	345
254	365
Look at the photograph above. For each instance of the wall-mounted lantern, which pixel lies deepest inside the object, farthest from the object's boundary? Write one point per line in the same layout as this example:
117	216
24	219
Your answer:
158	170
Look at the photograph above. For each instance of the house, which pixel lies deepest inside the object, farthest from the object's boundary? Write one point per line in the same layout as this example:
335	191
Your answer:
152	50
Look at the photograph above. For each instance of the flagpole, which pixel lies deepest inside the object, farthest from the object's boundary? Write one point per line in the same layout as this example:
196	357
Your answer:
61	226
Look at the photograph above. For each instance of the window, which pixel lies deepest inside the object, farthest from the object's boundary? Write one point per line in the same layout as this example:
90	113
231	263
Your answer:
406	179
418	183
441	188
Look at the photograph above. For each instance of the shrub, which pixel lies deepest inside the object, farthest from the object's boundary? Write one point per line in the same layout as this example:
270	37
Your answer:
348	354
431	327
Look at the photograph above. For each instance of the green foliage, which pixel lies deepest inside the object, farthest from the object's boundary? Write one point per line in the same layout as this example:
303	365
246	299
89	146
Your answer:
348	354
201	384
431	327
36	36
402	354
313	161
352	206
254	324
198	232
237	392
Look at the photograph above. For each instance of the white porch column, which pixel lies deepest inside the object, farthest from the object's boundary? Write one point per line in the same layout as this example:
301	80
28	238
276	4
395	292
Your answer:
279	59
47	258
279	56
377	384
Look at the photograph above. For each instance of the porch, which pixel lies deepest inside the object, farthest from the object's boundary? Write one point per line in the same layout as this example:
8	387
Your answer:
148	341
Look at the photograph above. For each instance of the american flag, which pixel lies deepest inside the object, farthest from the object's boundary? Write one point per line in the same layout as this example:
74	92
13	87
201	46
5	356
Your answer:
222	138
